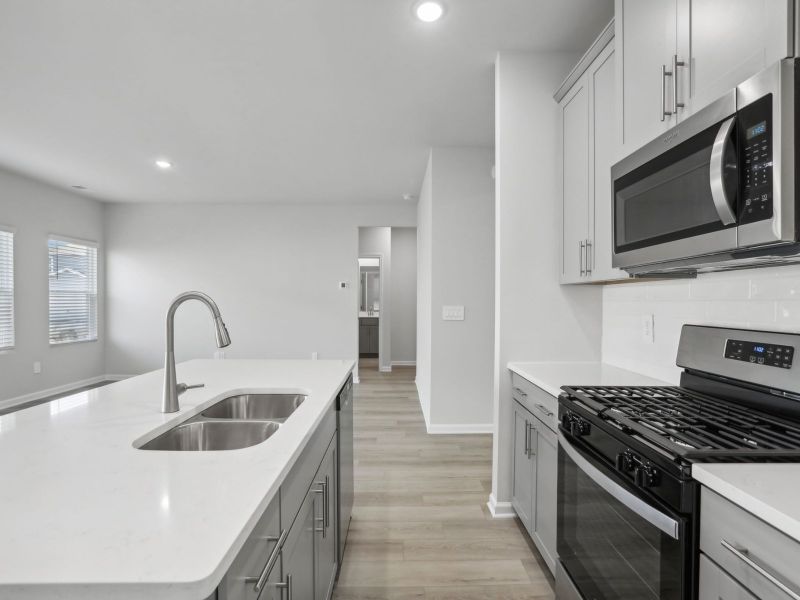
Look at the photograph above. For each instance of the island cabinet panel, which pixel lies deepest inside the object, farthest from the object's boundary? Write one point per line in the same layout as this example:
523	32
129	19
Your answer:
298	482
326	557
300	549
253	561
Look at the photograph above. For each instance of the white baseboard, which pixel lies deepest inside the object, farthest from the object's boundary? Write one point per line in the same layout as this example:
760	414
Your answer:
459	428
500	510
404	363
59	389
385	369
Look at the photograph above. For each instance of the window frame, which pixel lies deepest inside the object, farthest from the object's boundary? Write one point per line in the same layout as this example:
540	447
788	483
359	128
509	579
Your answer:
88	244
13	232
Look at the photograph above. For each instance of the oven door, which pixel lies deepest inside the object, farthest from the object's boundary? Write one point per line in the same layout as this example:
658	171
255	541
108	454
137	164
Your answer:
676	198
612	543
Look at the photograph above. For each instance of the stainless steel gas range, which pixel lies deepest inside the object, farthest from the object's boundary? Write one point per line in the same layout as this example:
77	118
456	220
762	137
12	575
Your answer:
628	507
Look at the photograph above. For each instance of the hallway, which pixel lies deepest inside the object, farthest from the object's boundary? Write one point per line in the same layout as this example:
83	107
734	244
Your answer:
420	525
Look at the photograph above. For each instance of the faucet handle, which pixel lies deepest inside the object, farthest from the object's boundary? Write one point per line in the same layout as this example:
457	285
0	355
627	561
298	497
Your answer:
182	387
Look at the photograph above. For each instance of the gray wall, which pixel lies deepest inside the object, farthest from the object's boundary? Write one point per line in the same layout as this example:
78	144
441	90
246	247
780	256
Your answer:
456	221
536	318
37	210
274	270
404	295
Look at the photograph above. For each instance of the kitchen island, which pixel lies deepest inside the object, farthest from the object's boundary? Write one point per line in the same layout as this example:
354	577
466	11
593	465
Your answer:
85	514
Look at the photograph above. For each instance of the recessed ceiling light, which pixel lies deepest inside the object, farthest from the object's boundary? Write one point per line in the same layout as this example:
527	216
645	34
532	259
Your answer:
429	11
163	164
79	187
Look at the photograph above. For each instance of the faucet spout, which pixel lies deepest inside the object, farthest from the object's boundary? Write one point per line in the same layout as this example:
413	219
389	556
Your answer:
172	389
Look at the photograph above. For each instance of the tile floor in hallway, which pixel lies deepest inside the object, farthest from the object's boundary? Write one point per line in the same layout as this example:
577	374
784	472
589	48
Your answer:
420	525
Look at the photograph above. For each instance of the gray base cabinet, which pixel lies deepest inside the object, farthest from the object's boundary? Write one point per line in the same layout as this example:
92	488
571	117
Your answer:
534	482
292	553
368	336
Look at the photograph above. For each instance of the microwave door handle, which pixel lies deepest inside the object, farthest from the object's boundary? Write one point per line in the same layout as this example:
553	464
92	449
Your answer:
716	171
655	517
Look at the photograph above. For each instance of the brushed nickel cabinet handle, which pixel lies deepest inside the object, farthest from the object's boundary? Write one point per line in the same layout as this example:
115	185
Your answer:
743	555
527	438
582	249
520	392
664	74
261	580
544	409
675	64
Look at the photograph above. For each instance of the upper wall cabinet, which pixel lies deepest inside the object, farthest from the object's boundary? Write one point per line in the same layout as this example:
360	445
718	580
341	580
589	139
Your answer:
677	56
590	136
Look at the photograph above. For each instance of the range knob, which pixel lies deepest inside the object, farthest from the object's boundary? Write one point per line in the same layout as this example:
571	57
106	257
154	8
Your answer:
646	476
626	461
579	427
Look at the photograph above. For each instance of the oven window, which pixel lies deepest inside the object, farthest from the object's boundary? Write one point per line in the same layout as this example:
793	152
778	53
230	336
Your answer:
609	551
669	198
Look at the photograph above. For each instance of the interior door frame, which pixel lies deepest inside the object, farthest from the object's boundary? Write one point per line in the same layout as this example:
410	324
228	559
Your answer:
381	320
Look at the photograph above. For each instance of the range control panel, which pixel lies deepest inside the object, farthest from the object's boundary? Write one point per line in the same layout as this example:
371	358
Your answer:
772	355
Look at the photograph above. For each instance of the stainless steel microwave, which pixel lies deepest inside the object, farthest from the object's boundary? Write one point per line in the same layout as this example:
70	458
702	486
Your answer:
718	190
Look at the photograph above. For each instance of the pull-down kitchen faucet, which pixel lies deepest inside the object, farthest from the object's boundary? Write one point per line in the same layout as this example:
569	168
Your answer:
173	389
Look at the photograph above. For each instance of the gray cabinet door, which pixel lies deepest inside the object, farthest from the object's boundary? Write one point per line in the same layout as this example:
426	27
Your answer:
715	583
522	492
373	339
299	550
363	339
546	472
325	530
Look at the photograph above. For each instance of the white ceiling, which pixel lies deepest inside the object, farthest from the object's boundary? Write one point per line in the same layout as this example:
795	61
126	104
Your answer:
258	100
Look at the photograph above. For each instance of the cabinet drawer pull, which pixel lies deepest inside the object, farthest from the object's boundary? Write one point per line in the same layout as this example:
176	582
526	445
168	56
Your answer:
276	551
325	491
544	409
675	64
520	392
527	438
286	585
744	555
530	440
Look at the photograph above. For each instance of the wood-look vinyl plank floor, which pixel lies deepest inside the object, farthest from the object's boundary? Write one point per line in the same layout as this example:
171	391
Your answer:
420	528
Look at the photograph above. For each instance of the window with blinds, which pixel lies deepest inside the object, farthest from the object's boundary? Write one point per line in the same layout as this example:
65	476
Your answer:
73	291
6	289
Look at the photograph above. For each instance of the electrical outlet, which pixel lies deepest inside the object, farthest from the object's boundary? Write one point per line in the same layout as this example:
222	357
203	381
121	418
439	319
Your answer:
314	356
37	367
648	329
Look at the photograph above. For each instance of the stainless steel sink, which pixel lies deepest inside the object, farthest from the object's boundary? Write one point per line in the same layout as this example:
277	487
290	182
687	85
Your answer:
252	407
213	435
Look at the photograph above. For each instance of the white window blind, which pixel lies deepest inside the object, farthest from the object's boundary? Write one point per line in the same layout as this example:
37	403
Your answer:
6	289
73	291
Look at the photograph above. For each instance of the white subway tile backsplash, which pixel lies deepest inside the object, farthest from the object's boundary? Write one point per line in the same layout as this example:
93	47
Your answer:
755	298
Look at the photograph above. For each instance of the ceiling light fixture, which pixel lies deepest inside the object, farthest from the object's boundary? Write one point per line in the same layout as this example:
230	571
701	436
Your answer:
163	164
429	11
79	187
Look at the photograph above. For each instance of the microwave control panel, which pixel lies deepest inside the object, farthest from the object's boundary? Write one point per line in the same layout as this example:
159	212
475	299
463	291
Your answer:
755	161
772	355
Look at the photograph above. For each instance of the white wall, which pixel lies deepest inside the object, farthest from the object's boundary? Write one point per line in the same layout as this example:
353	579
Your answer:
755	299
272	268
536	318
37	210
377	241
457	250
425	289
404	295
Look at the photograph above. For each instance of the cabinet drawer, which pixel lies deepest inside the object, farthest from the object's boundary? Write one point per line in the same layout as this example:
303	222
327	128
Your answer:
756	554
715	583
253	557
299	480
536	400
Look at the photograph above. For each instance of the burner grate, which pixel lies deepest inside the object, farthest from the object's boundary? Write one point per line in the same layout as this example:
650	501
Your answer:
691	425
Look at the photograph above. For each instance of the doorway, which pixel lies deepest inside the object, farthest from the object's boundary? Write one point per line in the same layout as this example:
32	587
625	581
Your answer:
369	307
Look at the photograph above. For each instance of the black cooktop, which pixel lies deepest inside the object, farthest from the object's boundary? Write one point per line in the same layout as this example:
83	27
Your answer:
693	426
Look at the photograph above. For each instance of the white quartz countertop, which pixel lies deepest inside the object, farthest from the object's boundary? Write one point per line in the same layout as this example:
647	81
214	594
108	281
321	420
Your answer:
550	376
767	490
85	515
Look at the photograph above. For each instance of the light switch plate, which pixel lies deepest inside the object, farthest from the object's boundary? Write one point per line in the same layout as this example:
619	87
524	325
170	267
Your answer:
452	313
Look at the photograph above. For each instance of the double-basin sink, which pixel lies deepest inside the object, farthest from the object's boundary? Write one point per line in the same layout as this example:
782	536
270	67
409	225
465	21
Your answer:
234	422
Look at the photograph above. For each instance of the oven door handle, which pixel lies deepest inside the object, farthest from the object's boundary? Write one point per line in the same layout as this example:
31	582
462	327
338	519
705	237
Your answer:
663	522
716	173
